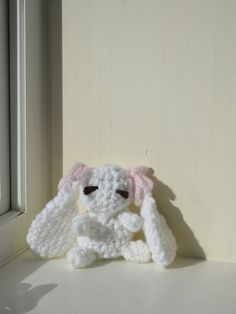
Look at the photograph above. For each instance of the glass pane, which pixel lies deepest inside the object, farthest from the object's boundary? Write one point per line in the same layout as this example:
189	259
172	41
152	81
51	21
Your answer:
4	110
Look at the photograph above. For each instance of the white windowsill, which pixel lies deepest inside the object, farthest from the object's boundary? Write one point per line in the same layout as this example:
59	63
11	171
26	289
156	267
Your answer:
31	285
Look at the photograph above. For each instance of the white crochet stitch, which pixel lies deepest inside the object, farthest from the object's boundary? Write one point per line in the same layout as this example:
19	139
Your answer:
106	229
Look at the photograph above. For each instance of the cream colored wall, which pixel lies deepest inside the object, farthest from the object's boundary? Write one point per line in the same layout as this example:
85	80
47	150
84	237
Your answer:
154	82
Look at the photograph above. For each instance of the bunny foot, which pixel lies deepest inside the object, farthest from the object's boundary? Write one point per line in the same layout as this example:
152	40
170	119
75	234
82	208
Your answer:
136	251
79	257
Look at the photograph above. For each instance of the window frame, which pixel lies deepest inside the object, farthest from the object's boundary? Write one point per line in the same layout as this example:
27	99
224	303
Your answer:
18	104
29	118
4	112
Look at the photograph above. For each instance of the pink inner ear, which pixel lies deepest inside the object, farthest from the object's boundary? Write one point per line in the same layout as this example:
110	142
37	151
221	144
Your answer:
75	174
79	171
142	184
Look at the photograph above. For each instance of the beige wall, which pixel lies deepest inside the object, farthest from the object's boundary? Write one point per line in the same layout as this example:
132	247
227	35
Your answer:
154	82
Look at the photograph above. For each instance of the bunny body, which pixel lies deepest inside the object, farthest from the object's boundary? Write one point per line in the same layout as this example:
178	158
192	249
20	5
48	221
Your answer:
98	238
105	238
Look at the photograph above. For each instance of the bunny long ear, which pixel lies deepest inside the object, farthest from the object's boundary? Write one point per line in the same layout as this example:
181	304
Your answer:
159	237
142	184
50	234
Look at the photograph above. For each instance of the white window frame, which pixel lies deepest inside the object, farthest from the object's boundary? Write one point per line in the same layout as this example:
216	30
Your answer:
18	104
30	147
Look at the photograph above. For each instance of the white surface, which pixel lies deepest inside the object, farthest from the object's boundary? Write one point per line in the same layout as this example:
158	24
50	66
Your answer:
154	82
30	285
4	111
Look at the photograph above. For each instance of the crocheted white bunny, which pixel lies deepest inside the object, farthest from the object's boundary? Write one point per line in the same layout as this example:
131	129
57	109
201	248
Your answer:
106	229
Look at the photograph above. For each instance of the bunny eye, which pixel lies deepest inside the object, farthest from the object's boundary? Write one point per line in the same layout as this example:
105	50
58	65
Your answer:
123	193
90	189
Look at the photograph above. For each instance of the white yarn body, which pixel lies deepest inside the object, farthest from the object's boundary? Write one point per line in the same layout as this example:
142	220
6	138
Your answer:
101	238
105	238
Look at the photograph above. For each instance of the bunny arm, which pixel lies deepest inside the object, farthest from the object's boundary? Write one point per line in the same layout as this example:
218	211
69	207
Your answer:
131	221
159	237
86	225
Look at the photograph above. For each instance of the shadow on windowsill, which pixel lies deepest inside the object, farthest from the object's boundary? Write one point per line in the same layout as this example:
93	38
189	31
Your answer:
17	296
26	298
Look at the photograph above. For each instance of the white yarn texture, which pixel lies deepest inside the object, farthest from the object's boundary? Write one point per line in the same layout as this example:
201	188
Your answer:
50	234
159	237
106	229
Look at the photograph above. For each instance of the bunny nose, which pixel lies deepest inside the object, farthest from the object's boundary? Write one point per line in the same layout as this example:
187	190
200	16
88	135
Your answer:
109	195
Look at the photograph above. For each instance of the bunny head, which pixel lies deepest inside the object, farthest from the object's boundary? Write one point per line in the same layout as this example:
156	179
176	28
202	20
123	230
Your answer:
107	188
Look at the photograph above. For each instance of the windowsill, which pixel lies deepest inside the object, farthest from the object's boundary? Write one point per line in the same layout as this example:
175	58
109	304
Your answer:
4	218
31	285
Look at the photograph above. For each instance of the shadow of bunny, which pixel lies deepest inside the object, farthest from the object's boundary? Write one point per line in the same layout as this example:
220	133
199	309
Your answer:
25	298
